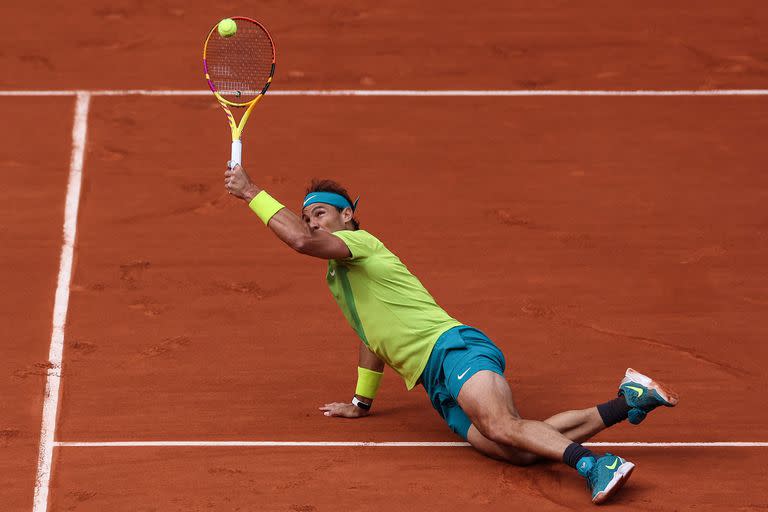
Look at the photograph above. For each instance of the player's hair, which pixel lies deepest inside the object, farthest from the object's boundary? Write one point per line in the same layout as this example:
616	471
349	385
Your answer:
319	185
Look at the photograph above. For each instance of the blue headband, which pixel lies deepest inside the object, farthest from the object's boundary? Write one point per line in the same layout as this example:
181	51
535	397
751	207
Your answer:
331	198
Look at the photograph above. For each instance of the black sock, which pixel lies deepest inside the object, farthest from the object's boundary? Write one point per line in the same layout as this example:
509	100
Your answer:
574	453
614	411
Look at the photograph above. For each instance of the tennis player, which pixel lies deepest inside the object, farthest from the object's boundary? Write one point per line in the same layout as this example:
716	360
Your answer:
401	325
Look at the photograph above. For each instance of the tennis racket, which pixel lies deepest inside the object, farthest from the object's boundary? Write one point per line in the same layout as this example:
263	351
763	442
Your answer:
239	70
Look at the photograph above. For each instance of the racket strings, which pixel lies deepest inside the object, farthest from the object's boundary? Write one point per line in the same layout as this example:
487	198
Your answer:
240	66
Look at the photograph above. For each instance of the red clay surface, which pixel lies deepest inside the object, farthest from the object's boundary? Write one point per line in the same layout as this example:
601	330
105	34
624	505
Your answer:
389	479
597	244
584	235
32	190
398	44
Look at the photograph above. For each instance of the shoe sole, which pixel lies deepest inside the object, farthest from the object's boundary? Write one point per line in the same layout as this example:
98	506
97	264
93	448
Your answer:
662	390
620	477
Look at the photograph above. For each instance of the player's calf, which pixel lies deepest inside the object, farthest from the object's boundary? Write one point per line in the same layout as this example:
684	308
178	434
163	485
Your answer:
498	451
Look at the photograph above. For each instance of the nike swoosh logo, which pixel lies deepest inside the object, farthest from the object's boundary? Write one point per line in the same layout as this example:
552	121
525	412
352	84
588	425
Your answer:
639	391
309	199
461	375
615	463
333	273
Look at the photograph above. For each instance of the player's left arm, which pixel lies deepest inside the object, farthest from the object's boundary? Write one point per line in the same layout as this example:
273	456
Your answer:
369	372
288	227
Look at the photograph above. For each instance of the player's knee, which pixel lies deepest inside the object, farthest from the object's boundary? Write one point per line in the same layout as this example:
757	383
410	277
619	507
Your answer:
505	430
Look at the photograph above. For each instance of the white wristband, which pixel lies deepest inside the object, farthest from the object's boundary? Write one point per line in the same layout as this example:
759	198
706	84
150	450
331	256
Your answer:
360	404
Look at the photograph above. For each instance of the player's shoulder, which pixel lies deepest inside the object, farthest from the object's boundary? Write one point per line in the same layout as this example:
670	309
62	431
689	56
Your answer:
361	243
357	235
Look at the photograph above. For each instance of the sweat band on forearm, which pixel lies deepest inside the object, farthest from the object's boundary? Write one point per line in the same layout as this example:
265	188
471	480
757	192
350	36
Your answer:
367	382
265	206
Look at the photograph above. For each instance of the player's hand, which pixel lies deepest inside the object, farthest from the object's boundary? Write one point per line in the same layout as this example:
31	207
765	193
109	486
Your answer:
238	183
343	410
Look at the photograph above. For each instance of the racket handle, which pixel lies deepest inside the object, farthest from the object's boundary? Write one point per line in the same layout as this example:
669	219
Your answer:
237	152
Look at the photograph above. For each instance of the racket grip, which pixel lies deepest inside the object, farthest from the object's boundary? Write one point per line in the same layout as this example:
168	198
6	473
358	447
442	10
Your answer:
237	152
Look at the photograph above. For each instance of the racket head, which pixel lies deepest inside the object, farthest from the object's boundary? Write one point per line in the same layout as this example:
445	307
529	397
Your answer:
239	68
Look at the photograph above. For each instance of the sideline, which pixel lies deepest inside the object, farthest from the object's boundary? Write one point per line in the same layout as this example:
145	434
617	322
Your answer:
61	304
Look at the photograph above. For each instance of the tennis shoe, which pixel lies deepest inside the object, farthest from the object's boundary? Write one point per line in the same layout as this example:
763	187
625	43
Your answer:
644	394
605	476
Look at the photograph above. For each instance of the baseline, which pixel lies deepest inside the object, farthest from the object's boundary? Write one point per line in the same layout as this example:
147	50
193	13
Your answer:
404	92
393	444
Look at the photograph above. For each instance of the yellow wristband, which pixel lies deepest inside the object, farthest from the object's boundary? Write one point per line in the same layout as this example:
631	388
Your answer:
265	206
367	382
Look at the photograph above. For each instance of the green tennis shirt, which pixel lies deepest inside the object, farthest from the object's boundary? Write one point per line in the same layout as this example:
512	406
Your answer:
386	305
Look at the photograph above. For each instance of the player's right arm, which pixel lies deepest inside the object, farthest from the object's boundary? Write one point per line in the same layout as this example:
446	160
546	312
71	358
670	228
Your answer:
296	234
288	227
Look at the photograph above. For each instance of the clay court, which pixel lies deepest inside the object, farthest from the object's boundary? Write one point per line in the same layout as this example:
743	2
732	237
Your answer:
585	182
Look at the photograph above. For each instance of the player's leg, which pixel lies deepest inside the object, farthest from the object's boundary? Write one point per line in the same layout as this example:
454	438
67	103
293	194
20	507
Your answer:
461	424
499	451
638	395
487	401
576	425
471	372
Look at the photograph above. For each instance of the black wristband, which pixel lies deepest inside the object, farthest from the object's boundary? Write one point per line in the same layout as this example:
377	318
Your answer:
359	403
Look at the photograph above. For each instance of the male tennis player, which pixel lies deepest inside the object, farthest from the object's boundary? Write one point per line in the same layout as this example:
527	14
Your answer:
401	325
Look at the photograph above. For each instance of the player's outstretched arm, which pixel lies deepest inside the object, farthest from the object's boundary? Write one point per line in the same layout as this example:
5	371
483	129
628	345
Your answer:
369	373
284	223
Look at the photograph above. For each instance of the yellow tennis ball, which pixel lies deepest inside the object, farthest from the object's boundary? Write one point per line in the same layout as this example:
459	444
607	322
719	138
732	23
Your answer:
227	27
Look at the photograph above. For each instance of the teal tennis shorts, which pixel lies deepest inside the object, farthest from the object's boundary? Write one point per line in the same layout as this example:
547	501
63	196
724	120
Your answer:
458	354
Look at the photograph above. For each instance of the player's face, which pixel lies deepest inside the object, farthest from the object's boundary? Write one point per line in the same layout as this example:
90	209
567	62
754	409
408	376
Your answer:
325	217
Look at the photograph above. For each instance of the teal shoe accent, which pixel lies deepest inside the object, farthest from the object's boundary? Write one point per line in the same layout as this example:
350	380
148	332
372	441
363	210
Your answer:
635	416
607	475
585	465
644	394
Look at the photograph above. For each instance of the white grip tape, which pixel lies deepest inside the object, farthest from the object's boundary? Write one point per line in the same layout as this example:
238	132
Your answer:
237	152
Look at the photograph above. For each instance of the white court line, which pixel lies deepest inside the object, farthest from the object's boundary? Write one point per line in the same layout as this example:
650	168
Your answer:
403	92
61	304
401	444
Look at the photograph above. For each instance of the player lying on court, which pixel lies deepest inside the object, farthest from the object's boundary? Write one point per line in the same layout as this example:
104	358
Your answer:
401	325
